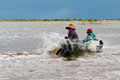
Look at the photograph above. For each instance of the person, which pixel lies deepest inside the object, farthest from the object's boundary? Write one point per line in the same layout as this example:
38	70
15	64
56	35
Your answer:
72	35
90	35
68	48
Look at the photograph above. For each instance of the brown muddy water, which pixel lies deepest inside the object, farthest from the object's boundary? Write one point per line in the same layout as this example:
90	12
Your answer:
27	52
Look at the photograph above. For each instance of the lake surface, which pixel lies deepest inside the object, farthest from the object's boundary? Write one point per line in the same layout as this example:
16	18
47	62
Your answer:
42	37
31	36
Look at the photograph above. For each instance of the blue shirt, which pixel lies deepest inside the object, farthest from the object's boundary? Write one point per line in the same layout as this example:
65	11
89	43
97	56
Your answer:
88	37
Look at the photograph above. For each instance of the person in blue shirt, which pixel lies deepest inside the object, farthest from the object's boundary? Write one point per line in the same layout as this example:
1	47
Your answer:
90	36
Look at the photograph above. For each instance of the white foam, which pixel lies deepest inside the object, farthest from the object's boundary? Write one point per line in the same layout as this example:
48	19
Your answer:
50	42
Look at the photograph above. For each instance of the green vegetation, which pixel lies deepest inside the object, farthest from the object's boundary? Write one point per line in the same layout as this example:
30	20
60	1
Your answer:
112	19
90	20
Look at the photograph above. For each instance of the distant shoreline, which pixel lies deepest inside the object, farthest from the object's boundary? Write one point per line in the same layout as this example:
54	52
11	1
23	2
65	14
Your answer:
27	20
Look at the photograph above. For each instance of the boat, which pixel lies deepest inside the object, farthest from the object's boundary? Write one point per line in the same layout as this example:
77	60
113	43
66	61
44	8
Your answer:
72	48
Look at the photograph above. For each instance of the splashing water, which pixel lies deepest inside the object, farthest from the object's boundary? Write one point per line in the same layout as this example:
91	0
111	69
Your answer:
51	42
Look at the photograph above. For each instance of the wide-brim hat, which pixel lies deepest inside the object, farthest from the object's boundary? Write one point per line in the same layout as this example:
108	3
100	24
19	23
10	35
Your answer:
71	26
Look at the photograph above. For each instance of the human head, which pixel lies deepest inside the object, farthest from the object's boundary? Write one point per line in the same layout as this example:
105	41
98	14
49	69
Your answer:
89	32
71	26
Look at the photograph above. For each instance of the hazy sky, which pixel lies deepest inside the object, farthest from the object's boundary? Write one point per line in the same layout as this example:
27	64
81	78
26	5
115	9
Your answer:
55	9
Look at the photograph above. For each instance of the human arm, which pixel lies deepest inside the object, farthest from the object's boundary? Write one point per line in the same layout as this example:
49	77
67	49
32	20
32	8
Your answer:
94	36
86	39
